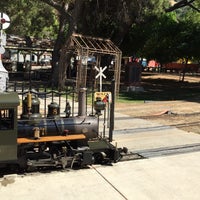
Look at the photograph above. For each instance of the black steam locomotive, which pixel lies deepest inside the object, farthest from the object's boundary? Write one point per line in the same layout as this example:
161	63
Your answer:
32	141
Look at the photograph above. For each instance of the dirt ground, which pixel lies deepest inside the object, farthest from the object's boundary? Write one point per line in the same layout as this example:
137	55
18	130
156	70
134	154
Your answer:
180	108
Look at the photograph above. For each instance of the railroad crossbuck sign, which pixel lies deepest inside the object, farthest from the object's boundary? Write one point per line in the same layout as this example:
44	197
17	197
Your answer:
100	75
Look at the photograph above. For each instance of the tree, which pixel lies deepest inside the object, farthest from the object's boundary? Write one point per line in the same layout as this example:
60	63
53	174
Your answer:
165	37
183	3
104	18
115	19
112	19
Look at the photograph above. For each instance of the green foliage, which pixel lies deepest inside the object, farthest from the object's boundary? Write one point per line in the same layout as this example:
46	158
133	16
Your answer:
165	38
30	18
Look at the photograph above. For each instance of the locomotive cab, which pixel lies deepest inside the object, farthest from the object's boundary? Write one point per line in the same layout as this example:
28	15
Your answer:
8	127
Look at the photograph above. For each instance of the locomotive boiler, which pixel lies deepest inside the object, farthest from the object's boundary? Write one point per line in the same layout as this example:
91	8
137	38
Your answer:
33	141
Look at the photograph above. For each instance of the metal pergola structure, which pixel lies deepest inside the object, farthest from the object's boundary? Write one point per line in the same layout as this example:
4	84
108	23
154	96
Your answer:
85	46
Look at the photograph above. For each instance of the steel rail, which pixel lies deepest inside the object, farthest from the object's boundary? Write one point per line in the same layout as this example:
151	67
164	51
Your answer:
158	152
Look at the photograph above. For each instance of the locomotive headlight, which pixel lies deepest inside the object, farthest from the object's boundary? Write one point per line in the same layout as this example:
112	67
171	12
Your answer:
84	130
3	21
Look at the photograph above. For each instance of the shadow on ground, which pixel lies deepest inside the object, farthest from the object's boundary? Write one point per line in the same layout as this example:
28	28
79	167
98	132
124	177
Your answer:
161	89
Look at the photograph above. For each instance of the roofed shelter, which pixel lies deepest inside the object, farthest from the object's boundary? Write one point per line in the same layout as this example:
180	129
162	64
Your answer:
85	46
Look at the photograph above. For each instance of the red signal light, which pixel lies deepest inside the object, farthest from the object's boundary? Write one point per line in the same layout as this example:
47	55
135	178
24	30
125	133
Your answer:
3	21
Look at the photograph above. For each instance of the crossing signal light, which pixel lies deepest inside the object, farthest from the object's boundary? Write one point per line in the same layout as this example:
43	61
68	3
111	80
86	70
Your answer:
3	21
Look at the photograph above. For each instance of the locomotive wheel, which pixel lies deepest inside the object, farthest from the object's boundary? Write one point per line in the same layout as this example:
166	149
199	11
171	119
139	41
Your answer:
100	158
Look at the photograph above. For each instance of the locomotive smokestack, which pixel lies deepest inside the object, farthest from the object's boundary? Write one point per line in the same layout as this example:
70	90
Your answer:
82	102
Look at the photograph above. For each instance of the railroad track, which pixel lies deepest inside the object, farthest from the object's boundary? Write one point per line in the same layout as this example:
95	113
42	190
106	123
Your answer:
164	151
186	124
157	127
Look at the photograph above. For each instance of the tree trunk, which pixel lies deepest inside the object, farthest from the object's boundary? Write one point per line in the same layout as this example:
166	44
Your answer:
184	70
61	56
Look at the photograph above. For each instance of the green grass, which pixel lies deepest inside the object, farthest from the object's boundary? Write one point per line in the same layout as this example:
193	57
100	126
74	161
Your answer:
162	90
